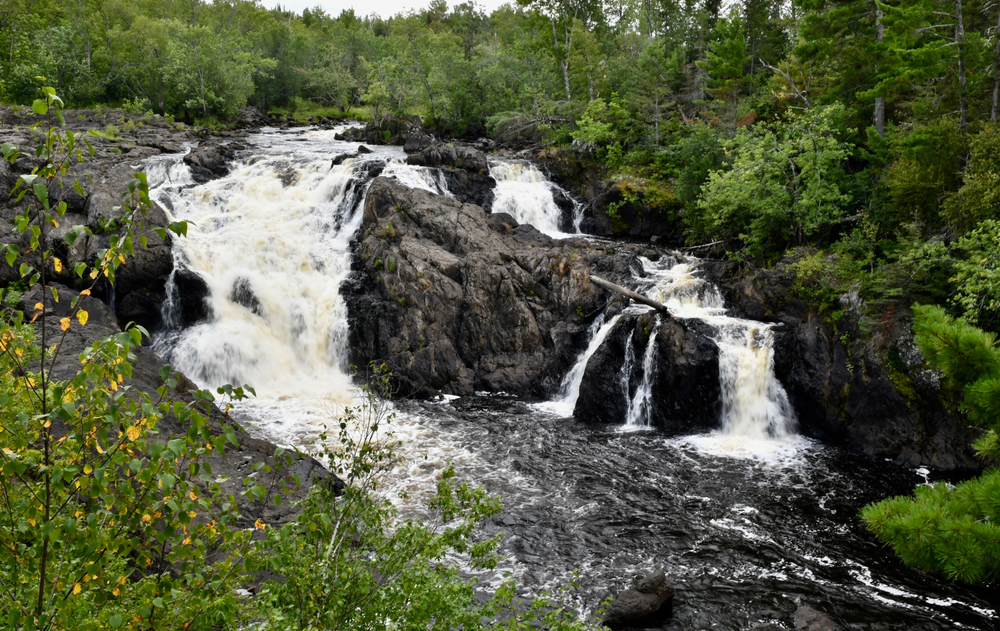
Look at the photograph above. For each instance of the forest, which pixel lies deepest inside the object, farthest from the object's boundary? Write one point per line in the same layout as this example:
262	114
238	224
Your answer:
855	143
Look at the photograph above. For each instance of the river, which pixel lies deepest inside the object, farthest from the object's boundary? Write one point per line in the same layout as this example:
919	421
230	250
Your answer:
747	520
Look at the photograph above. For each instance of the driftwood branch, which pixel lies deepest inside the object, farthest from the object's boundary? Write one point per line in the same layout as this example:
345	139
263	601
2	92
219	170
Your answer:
628	293
703	245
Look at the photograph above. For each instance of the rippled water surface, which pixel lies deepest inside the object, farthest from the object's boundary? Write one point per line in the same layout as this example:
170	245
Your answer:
738	536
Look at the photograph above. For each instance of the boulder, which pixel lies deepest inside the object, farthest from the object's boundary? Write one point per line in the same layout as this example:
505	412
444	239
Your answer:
641	604
439	155
208	162
417	140
455	300
809	619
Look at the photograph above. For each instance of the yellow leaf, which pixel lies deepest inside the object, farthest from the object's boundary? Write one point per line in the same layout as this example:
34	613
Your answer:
82	317
93	274
64	323
146	518
259	524
76	588
122	580
116	591
85	292
56	263
31	520
39	306
192	495
132	432
114	386
100	449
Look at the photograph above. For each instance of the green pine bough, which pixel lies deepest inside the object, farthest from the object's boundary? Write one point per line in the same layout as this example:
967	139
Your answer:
945	529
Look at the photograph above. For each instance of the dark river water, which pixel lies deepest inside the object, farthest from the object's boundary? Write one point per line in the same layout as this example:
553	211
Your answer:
739	537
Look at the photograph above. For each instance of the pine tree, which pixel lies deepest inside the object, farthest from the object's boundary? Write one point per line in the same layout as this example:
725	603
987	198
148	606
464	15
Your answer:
952	530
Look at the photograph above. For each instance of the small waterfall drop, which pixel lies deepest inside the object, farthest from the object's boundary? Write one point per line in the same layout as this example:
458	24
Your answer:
640	402
754	403
526	194
569	390
271	242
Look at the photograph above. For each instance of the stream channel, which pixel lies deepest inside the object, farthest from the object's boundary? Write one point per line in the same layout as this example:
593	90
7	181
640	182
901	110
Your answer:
747	520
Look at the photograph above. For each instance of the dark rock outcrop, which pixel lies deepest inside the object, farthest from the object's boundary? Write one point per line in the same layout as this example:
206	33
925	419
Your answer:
471	188
417	140
455	300
685	382
208	162
863	388
440	155
647	601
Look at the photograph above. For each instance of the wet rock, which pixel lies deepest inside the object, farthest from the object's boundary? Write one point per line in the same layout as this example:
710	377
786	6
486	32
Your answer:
211	161
767	626
809	619
340	159
192	296
471	188
440	155
455	300
243	294
417	140
363	150
641	603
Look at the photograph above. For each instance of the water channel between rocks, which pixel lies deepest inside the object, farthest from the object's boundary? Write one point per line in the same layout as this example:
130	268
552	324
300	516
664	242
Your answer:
746	520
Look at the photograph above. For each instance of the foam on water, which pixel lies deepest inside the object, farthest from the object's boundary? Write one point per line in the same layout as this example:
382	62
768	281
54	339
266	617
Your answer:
526	194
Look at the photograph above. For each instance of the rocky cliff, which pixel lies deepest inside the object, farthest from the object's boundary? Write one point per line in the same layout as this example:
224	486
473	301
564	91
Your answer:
457	300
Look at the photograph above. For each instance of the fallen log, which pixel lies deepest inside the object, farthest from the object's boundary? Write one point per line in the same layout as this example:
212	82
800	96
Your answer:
628	293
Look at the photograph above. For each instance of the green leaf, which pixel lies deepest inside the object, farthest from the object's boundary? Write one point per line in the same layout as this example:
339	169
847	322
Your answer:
40	107
115	621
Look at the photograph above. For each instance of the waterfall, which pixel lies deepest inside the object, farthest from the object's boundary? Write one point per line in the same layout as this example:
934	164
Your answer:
639	404
569	390
271	241
526	194
755	406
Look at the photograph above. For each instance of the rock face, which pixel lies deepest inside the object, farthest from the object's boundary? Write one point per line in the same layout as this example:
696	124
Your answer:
211	161
868	392
455	300
440	155
685	381
640	603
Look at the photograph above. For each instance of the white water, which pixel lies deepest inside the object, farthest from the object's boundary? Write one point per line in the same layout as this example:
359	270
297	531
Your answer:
757	419
569	390
639	404
525	193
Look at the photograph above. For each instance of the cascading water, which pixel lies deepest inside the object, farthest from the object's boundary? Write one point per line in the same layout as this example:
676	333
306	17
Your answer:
738	537
754	404
526	194
569	389
640	402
